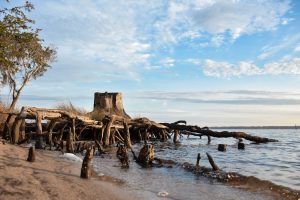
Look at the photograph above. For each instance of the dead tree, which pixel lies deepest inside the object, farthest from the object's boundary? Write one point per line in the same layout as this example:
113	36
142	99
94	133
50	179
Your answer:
197	131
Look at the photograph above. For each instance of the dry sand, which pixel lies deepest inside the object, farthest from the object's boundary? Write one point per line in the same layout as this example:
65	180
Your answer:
49	178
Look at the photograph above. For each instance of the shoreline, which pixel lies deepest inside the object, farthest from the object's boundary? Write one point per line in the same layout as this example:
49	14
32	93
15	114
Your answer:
53	177
50	178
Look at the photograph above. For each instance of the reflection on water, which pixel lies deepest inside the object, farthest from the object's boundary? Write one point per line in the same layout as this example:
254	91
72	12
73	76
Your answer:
277	162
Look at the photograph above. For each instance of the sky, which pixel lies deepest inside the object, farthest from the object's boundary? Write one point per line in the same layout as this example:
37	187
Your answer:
210	62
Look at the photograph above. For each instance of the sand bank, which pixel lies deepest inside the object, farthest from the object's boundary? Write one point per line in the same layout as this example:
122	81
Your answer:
49	178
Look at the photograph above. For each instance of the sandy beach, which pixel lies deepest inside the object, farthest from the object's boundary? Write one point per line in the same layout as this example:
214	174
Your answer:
49	178
52	176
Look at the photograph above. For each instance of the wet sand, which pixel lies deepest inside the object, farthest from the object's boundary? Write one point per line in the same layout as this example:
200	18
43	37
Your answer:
49	178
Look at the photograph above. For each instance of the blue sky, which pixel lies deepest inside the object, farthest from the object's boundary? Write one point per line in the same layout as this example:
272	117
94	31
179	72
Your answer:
211	62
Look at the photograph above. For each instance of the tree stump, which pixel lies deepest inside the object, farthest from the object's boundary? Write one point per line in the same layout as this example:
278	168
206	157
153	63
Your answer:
146	155
108	104
31	155
86	169
176	133
122	154
241	145
222	147
198	160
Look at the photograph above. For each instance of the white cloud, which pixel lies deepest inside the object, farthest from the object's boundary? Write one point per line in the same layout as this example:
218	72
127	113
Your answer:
289	66
286	42
218	17
120	37
166	62
225	69
297	48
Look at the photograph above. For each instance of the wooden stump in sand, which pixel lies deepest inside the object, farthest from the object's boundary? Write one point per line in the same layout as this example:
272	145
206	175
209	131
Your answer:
146	155
122	154
31	154
86	169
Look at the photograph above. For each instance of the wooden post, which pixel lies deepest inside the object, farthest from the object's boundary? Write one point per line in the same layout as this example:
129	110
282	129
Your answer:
107	131
7	128
69	145
122	154
241	145
62	130
127	135
16	130
208	139
22	129
50	132
139	136
212	162
198	160
31	155
73	129
145	136
86	169
112	137
176	132
222	147
39	130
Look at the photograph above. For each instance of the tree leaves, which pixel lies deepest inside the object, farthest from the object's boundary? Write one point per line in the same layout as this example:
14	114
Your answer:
22	53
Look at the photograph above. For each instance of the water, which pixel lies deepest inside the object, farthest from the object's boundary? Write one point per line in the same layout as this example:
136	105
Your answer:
277	162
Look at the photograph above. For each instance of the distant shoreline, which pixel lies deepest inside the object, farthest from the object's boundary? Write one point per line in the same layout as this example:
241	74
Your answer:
255	127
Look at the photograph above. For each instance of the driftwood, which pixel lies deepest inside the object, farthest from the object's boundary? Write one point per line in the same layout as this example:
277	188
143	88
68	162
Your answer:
197	131
212	162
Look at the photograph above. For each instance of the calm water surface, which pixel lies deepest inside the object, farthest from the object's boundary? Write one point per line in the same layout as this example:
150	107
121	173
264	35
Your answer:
277	162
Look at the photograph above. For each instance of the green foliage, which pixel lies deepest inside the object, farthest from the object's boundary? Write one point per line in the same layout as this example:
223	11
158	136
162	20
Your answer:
23	56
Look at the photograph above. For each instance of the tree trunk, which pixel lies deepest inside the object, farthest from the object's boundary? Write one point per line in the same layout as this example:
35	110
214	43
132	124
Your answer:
127	135
16	130
107	131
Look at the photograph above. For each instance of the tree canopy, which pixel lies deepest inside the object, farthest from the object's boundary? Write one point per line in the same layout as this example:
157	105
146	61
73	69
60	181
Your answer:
23	56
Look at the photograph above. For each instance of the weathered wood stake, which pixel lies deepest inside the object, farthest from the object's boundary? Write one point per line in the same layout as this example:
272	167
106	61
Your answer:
212	162
86	168
198	160
31	155
222	147
241	145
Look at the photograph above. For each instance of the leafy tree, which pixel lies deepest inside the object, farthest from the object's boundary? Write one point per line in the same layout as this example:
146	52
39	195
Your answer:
23	56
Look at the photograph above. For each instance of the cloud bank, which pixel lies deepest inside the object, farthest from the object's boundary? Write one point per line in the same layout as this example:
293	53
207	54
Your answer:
124	37
222	69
